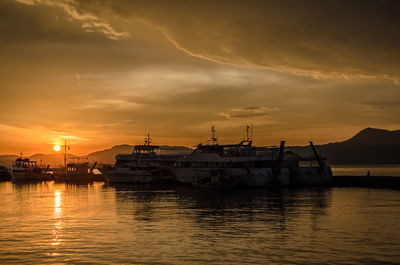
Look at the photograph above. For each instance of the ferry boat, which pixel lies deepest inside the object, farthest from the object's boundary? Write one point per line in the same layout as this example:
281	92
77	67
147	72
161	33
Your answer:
213	164
144	165
23	169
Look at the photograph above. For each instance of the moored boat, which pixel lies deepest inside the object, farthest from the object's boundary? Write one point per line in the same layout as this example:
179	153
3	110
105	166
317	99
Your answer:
24	169
239	164
144	165
76	172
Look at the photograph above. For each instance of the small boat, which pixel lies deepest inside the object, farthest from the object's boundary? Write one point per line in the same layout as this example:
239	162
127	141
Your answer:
76	172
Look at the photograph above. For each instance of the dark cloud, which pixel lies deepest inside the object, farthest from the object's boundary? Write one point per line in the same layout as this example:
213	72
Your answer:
321	39
381	104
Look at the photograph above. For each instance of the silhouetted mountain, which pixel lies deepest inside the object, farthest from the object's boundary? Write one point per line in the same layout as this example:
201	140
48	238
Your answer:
6	160
369	146
107	156
53	160
376	137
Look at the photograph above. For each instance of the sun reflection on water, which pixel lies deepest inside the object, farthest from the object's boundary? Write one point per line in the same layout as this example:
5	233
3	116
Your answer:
57	236
57	204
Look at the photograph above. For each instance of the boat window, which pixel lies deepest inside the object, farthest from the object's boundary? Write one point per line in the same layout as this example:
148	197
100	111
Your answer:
212	164
238	165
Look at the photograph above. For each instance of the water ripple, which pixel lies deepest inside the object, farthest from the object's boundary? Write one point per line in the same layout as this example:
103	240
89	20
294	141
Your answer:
48	223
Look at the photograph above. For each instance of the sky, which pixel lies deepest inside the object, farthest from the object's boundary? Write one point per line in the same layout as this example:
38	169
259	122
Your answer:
100	73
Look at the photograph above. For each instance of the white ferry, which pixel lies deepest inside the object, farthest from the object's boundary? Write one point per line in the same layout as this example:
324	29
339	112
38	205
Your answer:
213	164
23	169
144	165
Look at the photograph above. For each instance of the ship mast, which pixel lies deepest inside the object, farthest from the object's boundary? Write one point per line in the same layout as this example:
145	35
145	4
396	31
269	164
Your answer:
147	140
248	139
213	138
65	152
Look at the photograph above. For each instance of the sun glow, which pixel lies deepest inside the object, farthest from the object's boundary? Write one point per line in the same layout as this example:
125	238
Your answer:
57	147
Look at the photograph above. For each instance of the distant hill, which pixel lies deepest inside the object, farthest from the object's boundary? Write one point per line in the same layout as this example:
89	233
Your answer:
107	156
6	160
52	159
42	160
369	146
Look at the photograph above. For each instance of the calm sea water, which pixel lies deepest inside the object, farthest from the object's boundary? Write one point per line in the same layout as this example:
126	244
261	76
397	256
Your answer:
362	170
50	223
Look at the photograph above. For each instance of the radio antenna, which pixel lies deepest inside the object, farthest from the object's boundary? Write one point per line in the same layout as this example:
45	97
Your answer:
213	138
252	126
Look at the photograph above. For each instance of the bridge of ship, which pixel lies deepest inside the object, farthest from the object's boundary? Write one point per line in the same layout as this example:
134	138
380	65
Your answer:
236	150
25	163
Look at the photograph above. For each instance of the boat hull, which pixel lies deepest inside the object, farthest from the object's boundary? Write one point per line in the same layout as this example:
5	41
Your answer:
264	177
5	176
218	178
77	178
246	177
313	176
119	177
29	176
155	175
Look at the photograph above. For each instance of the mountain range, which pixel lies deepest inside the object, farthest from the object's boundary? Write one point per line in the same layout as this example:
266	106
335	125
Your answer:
369	146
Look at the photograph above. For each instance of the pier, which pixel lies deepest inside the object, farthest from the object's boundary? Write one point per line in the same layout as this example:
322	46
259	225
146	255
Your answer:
367	181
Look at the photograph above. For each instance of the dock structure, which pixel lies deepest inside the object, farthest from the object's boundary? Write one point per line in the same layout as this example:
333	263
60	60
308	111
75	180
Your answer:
369	181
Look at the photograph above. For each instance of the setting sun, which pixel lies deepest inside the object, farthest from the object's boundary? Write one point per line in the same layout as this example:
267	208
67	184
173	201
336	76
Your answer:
57	148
